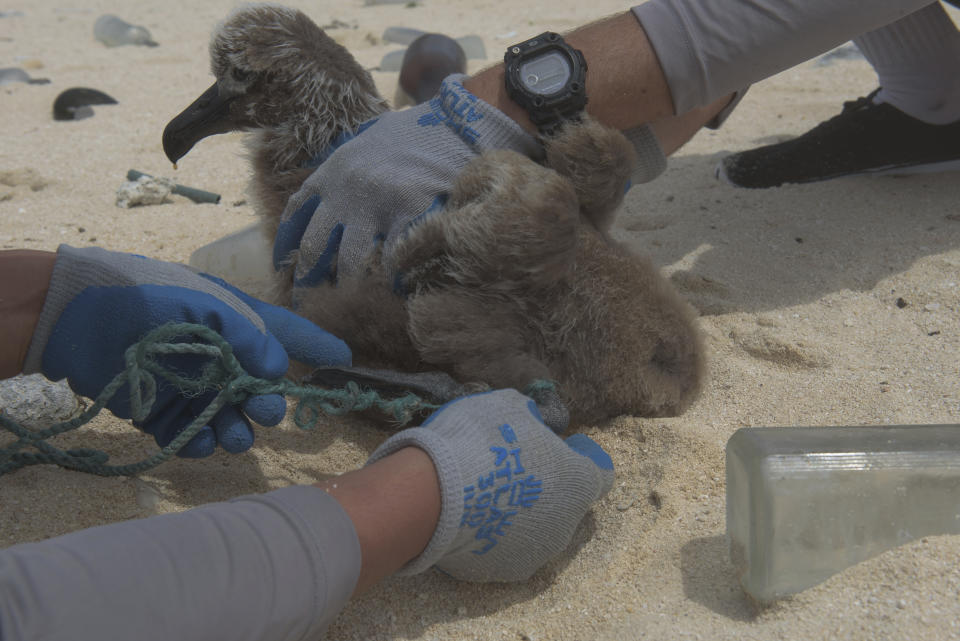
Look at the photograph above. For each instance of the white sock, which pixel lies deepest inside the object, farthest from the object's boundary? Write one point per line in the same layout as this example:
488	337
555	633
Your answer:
917	60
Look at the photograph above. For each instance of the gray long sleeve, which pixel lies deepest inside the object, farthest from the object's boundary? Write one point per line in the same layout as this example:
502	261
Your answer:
275	566
709	49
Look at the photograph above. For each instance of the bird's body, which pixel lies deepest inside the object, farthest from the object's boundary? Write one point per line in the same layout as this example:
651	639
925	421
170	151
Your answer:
515	280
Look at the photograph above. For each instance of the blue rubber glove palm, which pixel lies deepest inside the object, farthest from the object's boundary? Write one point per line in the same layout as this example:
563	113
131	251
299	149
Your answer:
99	303
373	183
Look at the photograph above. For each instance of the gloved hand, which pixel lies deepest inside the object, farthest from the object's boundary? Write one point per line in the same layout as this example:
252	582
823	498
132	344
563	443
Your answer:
374	182
101	302
512	492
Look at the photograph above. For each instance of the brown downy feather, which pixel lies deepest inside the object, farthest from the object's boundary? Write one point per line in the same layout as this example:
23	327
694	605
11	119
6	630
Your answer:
508	287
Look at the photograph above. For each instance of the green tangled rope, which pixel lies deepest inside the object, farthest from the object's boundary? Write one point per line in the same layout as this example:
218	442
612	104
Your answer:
222	373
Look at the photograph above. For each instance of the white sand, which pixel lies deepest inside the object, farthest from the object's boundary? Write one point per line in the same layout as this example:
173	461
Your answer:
797	286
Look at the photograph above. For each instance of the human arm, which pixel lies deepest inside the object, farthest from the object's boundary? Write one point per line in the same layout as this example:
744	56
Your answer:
282	564
678	63
262	567
24	278
625	84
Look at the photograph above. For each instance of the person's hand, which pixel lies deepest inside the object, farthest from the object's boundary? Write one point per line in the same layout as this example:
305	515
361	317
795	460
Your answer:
512	492
374	182
100	302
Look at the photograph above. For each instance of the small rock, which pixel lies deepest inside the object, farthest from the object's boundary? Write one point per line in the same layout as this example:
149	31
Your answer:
35	402
146	190
901	303
932	307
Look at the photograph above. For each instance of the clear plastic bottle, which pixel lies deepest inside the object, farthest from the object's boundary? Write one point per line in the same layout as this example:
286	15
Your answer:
803	503
244	258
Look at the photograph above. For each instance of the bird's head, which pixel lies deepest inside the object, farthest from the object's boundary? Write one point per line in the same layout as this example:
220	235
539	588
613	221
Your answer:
275	69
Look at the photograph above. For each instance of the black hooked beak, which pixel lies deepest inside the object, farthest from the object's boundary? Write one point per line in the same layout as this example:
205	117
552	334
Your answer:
208	115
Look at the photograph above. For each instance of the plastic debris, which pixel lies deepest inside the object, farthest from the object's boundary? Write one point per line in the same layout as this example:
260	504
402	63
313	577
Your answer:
473	47
11	75
392	61
428	60
196	195
115	32
243	257
803	503
74	104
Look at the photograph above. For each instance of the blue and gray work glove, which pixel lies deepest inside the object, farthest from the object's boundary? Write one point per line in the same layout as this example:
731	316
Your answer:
372	183
512	492
101	302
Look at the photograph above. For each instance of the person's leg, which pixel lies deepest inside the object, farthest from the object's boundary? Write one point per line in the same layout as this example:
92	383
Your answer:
675	131
917	60
708	50
911	124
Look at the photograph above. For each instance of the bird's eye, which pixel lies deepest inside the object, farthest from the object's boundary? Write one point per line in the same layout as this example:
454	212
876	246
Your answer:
240	75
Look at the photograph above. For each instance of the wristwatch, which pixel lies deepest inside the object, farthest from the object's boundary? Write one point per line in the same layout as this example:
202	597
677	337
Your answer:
547	77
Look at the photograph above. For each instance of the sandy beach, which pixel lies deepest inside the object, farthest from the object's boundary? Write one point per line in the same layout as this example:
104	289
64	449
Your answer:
797	287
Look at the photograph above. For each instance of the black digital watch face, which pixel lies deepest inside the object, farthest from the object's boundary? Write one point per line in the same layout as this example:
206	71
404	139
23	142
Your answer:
546	74
546	77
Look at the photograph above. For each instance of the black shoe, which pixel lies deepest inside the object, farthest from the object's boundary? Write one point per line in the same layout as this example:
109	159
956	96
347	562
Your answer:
863	138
